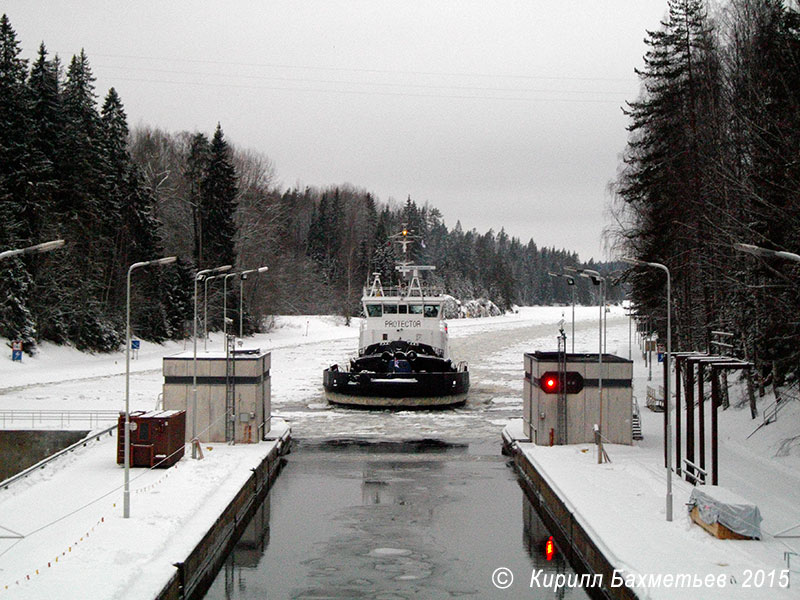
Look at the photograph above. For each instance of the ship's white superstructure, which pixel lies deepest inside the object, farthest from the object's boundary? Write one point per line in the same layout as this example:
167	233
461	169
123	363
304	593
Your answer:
403	352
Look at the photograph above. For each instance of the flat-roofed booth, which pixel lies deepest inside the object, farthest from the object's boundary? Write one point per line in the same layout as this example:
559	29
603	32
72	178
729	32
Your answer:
238	387
542	422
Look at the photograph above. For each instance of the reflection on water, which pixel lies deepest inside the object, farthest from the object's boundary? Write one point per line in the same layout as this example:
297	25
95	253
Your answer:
390	521
247	553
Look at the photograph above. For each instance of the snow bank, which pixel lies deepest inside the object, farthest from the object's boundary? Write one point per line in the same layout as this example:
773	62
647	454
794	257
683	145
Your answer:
79	546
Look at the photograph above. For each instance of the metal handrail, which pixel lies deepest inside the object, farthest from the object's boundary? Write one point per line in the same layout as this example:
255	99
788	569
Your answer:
42	463
63	416
686	471
770	413
403	292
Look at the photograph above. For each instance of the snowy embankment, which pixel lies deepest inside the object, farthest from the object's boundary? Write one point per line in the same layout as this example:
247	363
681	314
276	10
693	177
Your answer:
627	507
62	378
76	544
624	501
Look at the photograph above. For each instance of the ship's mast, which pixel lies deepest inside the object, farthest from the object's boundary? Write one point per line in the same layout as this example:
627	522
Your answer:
411	272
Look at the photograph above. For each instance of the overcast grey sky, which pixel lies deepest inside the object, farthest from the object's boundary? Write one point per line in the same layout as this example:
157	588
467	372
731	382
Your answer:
501	114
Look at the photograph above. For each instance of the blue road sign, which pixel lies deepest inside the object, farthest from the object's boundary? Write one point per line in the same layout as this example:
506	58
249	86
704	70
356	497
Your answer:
134	344
16	355
660	357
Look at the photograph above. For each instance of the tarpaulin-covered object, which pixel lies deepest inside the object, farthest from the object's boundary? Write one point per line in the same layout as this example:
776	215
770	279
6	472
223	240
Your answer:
720	505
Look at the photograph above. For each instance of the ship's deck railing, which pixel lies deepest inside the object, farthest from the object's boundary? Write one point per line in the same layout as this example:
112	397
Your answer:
427	291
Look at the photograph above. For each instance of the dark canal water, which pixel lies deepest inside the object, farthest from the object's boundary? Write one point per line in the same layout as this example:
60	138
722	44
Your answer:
391	521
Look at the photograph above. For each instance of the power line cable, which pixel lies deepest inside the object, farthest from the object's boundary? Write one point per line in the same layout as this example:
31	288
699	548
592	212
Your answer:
363	83
370	93
366	70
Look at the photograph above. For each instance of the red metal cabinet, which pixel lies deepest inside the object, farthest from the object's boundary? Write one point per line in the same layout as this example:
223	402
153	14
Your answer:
157	438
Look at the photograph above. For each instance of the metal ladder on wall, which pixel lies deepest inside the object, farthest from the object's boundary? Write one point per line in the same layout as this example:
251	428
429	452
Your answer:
562	388
230	387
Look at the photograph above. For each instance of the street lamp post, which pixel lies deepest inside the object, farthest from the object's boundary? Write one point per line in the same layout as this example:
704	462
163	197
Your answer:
205	309
766	252
597	279
570	282
126	496
668	440
225	306
35	249
241	292
198	276
38	248
630	328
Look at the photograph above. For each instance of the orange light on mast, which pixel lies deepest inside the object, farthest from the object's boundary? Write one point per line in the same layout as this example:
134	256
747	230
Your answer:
549	548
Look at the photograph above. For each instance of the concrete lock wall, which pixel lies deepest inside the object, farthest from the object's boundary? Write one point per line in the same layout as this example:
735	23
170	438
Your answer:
252	389
20	449
540	409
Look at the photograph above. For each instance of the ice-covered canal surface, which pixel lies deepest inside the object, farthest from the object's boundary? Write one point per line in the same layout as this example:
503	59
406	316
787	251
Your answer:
493	349
389	520
457	508
400	504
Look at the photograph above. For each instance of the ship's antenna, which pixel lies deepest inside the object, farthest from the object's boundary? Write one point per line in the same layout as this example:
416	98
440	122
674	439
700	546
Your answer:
406	266
404	239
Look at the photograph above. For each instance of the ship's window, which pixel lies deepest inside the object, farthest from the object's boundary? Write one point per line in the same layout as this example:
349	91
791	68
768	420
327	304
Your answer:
403	309
374	310
431	310
390	309
415	309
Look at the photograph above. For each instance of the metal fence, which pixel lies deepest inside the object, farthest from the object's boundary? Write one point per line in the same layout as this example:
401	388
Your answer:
63	418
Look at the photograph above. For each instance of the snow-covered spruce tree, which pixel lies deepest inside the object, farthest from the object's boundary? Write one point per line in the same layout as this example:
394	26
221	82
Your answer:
16	321
383	257
763	96
665	187
46	140
194	173
218	193
175	292
218	205
137	235
90	214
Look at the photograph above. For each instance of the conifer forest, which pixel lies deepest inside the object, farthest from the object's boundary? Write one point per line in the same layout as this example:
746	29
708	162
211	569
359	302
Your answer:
70	168
712	160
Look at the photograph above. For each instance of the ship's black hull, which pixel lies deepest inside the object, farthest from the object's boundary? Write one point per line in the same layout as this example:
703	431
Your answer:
396	390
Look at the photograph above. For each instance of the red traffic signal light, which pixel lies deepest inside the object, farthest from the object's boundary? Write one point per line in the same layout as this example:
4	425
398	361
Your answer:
550	382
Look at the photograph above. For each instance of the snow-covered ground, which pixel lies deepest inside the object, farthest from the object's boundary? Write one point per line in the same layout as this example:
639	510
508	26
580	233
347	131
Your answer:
78	546
624	502
61	378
